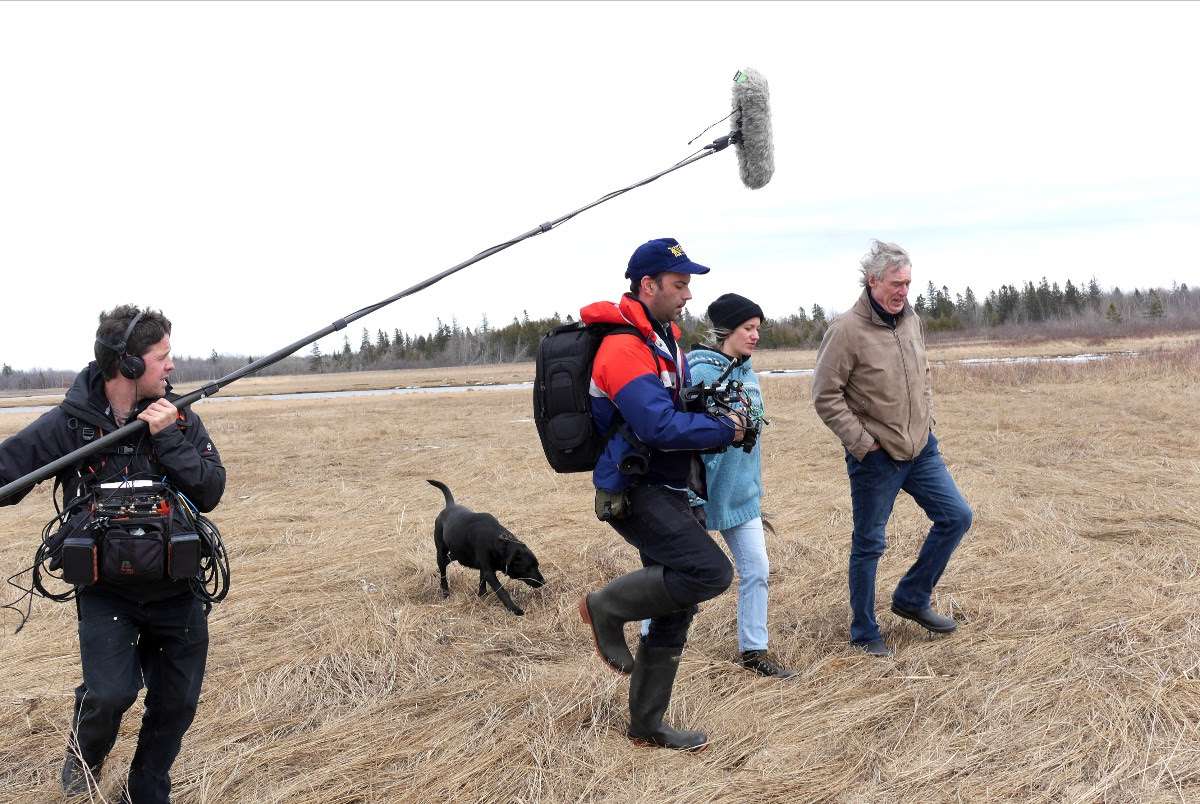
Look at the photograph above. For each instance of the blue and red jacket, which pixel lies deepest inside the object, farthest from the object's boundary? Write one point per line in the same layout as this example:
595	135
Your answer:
639	379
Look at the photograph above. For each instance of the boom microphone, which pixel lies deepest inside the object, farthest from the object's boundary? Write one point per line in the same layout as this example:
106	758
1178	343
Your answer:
751	134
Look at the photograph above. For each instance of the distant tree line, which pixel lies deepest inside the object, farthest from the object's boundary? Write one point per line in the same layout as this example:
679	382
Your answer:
187	370
453	344
1043	309
1047	307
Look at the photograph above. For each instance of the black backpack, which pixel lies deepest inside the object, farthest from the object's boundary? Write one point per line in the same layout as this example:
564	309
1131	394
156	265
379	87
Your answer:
561	400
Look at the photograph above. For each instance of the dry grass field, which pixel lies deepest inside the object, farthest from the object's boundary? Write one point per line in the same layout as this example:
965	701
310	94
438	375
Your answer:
338	674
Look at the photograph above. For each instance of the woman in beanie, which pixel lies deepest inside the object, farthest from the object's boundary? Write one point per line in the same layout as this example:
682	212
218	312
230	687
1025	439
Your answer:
735	477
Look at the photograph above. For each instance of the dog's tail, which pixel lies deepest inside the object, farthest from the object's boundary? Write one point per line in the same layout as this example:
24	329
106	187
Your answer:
445	491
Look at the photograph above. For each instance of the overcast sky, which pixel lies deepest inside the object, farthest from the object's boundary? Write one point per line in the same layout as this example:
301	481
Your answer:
257	170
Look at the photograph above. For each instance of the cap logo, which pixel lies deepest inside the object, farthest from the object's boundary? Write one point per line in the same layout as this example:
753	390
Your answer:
676	251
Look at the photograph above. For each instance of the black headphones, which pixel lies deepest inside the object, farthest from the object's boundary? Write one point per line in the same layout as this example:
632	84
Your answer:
130	366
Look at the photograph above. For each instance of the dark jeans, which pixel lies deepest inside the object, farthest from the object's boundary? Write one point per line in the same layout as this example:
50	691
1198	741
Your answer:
123	644
875	482
667	531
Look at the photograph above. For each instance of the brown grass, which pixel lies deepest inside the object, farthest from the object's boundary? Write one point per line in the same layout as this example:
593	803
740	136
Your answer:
338	674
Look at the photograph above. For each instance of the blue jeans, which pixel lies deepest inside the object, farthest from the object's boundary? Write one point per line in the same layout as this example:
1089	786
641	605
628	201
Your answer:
875	482
749	547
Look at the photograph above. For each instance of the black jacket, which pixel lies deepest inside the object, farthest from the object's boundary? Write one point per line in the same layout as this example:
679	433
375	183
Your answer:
183	452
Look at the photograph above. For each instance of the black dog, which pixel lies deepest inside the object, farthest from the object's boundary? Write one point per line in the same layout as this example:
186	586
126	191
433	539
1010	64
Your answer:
480	542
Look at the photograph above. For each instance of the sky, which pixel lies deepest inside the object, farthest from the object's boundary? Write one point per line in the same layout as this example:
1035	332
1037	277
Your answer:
259	170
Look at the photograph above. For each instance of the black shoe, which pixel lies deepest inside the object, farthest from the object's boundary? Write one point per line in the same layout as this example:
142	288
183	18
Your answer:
634	596
759	661
926	618
77	779
875	647
649	695
127	797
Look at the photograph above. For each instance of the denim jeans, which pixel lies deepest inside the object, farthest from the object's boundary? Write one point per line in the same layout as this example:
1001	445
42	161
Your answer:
875	482
667	531
123	644
749	547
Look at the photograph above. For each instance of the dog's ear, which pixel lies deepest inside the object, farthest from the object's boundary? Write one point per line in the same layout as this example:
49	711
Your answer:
508	550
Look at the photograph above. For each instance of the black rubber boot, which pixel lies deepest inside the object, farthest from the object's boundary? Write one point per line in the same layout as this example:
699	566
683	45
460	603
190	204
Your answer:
78	779
649	695
634	596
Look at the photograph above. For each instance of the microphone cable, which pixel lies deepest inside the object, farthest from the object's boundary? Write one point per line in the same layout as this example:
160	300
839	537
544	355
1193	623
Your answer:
212	584
719	122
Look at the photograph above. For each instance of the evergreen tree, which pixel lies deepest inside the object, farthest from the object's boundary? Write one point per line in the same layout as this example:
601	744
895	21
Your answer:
366	354
1030	302
970	307
1156	305
1113	316
1045	300
1057	301
315	361
1072	298
1008	306
945	307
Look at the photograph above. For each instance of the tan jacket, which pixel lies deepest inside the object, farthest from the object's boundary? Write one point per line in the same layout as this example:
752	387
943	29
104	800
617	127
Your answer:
872	382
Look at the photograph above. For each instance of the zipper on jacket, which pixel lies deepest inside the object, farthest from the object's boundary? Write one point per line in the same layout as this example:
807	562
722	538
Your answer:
907	392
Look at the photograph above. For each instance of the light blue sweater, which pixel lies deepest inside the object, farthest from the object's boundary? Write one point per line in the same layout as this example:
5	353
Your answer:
734	476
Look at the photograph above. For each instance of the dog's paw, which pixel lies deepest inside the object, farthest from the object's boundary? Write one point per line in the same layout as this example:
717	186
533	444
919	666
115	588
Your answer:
519	612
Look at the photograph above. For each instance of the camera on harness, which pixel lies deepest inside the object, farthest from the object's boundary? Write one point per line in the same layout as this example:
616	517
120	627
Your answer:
724	397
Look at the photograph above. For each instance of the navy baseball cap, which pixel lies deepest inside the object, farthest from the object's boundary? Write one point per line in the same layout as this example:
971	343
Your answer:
656	256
